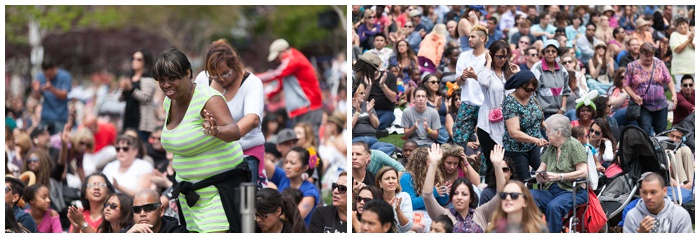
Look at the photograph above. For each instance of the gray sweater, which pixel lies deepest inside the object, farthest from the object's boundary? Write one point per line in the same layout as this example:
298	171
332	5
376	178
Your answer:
676	215
553	84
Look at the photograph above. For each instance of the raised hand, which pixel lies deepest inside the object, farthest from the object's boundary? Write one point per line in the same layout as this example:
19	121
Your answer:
370	105
36	86
209	124
497	154
435	153
425	125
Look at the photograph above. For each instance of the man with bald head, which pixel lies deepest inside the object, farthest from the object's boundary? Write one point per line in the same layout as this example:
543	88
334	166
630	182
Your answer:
148	215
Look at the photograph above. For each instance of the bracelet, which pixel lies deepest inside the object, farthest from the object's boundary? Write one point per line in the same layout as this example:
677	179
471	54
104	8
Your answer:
430	130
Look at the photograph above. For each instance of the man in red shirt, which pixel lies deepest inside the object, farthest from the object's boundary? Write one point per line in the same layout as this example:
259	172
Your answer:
104	132
297	77
686	100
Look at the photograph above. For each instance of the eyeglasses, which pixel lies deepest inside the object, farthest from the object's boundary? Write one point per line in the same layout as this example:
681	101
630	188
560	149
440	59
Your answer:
112	206
550	51
226	75
529	90
263	216
155	138
513	196
370	17
100	185
33	160
568	62
359	199
341	188
524	42
125	149
407	26
505	169
502	57
137	59
687	85
594	132
433	82
7	189
146	208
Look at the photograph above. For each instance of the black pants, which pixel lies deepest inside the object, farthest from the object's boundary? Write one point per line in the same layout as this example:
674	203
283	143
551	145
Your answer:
521	161
487	145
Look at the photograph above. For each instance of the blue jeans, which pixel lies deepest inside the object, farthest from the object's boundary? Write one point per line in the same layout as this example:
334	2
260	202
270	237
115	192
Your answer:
556	203
386	117
655	121
54	126
522	161
387	148
253	164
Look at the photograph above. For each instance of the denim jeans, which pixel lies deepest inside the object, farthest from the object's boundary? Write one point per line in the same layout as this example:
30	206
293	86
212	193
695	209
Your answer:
620	116
386	117
522	161
653	121
373	144
253	164
555	203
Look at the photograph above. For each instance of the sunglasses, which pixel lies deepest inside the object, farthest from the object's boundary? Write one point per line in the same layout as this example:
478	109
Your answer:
502	57
92	185
506	169
433	82
529	90
594	132
226	75
687	85
33	160
155	138
513	196
263	216
407	26
524	42
85	143
568	62
361	199
112	206
146	208
370	17
610	105
7	189
550	51
125	149
341	188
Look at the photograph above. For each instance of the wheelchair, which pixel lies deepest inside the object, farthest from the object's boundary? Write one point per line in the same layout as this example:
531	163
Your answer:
575	217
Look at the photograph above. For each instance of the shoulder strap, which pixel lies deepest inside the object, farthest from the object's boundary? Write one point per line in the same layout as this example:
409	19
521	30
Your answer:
651	79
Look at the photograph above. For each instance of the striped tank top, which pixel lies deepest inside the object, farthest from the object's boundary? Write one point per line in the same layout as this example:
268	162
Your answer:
196	157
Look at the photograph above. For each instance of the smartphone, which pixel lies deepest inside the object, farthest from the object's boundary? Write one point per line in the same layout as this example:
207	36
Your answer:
543	173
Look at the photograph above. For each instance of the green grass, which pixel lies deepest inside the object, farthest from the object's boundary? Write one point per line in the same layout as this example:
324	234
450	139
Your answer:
394	139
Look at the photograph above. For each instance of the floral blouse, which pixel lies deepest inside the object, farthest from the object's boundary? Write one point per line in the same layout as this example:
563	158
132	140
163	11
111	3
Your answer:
465	224
531	118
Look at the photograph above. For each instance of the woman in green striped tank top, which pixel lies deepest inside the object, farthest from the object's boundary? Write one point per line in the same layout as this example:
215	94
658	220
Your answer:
202	135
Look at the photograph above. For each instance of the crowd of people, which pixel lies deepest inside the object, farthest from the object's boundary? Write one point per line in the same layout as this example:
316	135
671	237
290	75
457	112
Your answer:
513	95
176	158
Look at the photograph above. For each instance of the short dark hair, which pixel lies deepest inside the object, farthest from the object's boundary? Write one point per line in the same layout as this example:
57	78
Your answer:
446	223
48	64
364	145
409	141
17	187
650	177
591	24
687	76
380	35
527	50
385	213
494	19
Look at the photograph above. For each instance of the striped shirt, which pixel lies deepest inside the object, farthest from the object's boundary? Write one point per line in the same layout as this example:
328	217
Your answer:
196	157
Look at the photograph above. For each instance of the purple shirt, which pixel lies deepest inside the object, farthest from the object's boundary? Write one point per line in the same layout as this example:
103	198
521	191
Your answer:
638	79
465	224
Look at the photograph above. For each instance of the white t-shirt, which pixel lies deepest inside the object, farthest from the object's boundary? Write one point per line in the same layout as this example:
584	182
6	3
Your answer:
248	100
131	177
471	90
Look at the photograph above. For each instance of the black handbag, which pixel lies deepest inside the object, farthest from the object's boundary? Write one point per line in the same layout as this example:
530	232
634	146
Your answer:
634	110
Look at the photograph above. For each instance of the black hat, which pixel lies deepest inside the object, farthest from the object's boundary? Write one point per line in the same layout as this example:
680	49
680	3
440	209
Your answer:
40	129
518	79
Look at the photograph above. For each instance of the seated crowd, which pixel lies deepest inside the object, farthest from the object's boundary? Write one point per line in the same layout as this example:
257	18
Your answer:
543	89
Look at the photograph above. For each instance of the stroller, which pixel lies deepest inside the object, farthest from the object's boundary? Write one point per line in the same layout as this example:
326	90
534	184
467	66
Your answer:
684	198
638	153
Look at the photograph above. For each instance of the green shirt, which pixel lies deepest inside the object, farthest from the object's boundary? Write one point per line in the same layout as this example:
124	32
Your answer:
381	159
572	153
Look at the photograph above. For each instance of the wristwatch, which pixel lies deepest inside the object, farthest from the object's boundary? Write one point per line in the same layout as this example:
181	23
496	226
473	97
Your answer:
85	225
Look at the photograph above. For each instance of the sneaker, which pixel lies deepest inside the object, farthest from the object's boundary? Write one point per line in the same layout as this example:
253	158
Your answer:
395	129
382	133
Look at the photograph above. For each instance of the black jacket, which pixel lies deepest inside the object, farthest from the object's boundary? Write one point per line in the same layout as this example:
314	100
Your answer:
168	225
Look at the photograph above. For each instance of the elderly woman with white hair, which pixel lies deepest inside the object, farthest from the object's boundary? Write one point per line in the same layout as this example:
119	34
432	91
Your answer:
563	161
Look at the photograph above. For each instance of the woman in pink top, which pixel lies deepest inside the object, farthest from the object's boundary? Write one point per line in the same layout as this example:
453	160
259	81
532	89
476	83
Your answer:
46	219
94	193
433	44
619	98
